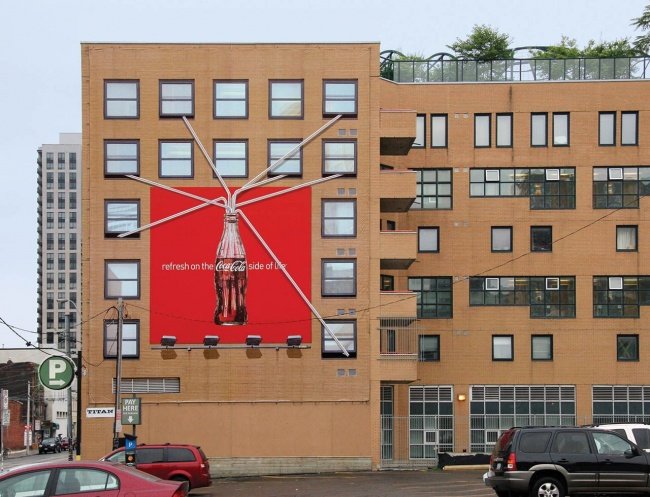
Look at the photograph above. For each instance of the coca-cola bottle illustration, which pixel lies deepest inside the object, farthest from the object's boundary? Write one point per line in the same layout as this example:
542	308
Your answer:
230	275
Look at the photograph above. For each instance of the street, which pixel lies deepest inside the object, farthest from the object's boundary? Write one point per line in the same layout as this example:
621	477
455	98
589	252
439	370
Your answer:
433	483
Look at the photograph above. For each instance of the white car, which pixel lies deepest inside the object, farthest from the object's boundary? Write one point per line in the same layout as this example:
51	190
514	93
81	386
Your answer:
638	433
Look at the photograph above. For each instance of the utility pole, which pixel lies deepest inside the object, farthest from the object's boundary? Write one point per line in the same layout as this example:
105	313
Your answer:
117	424
69	391
29	423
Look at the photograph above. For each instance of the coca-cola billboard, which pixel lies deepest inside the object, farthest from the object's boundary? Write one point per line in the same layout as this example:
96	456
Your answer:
211	276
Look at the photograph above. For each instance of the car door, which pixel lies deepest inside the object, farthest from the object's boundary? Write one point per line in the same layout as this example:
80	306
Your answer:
86	482
151	460
571	451
621	465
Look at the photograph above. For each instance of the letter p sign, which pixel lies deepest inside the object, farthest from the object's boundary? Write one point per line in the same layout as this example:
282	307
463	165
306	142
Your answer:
56	373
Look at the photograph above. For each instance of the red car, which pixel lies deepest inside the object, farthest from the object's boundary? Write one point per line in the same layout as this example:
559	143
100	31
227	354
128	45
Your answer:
168	461
99	479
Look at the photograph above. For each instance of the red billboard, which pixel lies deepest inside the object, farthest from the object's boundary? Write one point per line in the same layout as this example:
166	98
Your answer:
183	264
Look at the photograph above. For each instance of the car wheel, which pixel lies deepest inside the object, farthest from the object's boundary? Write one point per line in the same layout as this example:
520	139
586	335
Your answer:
182	479
547	486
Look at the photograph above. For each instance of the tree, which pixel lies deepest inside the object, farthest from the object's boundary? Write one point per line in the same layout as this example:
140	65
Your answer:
568	49
483	43
642	42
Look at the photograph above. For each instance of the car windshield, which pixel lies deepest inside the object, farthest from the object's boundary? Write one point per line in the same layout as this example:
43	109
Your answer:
49	440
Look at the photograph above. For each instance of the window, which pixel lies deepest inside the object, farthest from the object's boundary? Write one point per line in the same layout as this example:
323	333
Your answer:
428	239
121	99
176	159
429	348
286	99
121	157
433	190
61	160
339	278
121	216
339	97
501	238
627	347
292	165
31	483
620	403
122	279
626	238
504	130
61	241
73	161
620	187
49	200
420	131
50	221
73	200
606	129
338	218
130	338
541	238
49	160
427	438
231	158
482	125
387	282
49	178
620	296
61	281
439	131
60	181
72	181
345	332
541	347
61	220
434	296
629	128
547	297
546	188
339	157
50	241
231	99
503	347
50	261
561	129
176	98
73	241
73	261
61	262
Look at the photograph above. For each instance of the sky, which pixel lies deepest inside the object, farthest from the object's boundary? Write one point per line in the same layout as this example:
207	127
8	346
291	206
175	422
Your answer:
40	72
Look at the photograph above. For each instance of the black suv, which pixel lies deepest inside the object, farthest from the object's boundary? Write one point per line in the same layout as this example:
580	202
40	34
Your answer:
556	461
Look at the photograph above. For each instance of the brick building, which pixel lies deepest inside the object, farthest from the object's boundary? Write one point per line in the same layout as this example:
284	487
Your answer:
473	260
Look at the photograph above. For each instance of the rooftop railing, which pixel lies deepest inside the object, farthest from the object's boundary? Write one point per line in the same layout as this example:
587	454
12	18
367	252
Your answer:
458	70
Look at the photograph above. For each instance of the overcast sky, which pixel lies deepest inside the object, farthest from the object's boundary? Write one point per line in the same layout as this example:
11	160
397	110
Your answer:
40	78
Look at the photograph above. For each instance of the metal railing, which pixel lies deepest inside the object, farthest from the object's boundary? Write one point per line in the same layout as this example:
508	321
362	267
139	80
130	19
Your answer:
398	338
459	70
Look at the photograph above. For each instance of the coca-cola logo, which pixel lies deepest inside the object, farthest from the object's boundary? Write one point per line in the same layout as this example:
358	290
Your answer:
231	266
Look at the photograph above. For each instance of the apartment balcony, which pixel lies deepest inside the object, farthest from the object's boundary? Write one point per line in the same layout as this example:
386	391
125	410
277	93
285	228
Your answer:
398	304
397	190
397	249
398	349
396	131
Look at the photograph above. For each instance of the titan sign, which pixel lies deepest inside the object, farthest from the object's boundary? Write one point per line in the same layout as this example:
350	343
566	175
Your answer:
203	283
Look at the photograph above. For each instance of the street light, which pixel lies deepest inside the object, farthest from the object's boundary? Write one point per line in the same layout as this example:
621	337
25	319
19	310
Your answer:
69	354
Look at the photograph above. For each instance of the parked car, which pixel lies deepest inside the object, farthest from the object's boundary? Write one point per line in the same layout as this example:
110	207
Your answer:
638	433
557	461
49	445
96	478
169	461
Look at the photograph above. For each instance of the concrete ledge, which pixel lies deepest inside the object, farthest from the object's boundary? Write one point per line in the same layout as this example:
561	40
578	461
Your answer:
466	467
260	466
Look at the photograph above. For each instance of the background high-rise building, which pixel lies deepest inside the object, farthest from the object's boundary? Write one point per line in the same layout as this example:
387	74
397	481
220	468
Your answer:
59	241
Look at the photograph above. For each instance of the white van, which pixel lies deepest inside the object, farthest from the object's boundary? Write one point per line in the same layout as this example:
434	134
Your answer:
635	432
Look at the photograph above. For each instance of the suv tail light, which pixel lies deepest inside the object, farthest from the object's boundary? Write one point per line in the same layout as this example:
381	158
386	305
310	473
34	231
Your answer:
511	463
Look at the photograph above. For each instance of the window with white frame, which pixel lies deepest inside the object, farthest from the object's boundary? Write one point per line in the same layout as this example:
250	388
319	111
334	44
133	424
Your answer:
340	157
176	159
130	338
339	97
504	130
121	216
339	218
539	129
231	158
286	99
431	421
620	187
606	129
121	99
541	347
629	128
345	331
292	165
122	279
620	403
339	278
176	98
439	131
482	127
231	99
561	129
420	131
121	157
428	239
